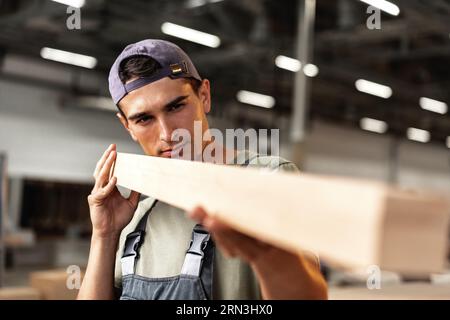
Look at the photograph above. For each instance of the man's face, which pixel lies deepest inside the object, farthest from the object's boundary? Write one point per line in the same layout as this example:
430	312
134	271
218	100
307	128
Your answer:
155	110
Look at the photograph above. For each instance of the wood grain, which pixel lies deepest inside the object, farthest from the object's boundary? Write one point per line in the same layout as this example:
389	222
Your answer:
350	223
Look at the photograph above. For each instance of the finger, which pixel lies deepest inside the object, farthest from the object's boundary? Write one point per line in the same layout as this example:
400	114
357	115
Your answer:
198	214
134	197
215	224
224	245
221	240
106	169
250	249
97	197
103	176
246	249
233	241
102	160
107	190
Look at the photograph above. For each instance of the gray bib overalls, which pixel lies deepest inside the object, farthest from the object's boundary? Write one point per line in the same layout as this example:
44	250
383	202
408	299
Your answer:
194	281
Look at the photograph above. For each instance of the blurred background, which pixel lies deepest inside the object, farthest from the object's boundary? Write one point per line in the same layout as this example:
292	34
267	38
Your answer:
357	88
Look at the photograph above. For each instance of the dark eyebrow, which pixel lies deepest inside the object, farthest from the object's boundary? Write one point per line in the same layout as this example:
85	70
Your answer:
167	106
137	116
174	102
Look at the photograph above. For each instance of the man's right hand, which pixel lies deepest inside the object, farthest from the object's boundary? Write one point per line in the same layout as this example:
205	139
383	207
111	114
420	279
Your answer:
110	212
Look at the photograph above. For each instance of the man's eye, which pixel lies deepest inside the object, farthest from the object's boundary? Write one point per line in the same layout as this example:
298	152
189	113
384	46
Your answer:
144	119
176	106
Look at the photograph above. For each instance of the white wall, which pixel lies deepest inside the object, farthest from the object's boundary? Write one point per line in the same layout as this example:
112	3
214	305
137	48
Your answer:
43	140
352	152
424	165
342	151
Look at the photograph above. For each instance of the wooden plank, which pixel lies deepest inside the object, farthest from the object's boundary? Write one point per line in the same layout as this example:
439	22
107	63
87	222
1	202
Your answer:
19	293
19	238
350	223
52	284
405	291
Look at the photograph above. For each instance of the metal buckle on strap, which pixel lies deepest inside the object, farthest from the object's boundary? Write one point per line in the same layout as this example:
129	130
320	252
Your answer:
130	254
132	243
199	241
195	254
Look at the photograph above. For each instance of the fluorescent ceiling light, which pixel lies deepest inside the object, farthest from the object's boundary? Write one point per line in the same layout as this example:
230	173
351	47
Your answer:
72	3
287	63
373	125
195	3
310	70
418	135
256	99
295	65
373	88
189	34
68	57
96	102
433	105
384	5
198	3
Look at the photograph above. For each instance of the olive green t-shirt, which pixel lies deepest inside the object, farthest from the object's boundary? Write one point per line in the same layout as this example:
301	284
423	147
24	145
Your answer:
168	235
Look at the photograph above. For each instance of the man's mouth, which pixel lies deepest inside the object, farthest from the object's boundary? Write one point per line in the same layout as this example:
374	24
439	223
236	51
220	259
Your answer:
166	153
172	152
175	151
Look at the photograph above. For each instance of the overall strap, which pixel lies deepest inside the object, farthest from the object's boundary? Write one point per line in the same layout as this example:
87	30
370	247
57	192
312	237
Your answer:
195	255
133	244
248	160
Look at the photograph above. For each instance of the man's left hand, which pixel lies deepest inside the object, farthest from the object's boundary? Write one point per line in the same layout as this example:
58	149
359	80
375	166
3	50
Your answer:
282	274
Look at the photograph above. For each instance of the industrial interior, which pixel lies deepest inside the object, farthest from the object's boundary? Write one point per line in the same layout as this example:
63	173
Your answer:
358	89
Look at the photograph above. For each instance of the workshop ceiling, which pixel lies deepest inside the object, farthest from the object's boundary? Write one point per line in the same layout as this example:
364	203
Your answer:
410	53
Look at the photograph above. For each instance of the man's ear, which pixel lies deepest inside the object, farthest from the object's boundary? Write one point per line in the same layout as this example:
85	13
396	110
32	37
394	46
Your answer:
124	122
204	94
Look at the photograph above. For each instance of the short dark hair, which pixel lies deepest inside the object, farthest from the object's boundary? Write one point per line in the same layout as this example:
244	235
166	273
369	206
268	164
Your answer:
145	66
137	66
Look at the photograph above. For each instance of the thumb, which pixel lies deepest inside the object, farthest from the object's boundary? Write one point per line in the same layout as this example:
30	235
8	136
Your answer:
134	198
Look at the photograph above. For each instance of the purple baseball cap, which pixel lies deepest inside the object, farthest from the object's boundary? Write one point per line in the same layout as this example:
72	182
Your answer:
174	61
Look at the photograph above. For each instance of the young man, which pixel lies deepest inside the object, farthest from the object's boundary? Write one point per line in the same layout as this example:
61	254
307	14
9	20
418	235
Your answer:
182	256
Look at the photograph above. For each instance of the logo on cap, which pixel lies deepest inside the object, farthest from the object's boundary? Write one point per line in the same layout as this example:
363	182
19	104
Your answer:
178	68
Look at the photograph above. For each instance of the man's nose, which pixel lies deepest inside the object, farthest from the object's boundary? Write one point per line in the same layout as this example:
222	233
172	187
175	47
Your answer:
165	131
